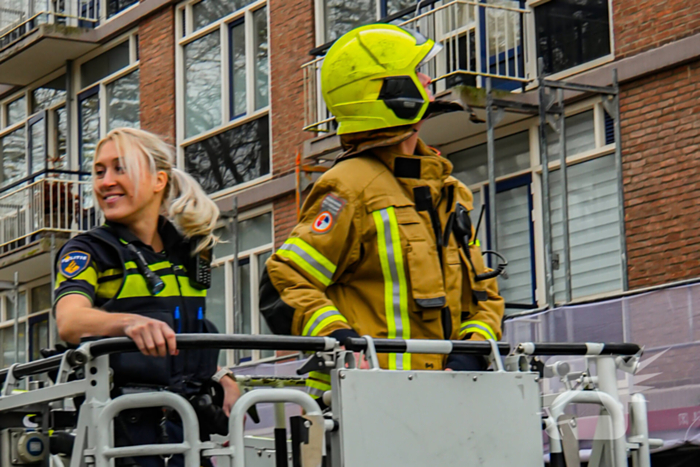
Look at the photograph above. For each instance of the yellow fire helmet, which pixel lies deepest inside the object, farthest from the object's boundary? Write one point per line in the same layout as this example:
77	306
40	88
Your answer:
369	80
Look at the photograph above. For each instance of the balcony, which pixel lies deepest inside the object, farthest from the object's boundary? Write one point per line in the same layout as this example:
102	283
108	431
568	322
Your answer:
48	205
38	36
480	40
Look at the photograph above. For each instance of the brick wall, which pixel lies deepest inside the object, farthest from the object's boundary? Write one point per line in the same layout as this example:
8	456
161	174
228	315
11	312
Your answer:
645	24
291	38
285	215
157	57
661	163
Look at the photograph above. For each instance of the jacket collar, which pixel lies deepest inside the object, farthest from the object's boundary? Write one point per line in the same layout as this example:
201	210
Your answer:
172	239
426	164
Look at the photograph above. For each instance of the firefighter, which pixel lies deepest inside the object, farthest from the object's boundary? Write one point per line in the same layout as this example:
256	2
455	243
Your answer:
374	252
137	276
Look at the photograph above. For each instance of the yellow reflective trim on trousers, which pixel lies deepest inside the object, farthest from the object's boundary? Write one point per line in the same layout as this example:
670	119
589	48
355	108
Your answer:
320	376
320	319
478	327
313	252
395	288
303	264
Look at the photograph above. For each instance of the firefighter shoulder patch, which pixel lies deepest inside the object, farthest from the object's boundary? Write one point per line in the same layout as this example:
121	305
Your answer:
330	209
74	263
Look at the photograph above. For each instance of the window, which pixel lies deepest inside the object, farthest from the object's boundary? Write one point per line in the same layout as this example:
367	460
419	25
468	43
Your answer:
116	6
108	97
594	221
7	332
223	58
341	16
255	244
571	32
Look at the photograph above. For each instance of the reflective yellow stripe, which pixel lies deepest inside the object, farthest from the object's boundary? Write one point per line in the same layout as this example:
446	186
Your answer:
395	289
475	242
320	319
318	385
187	289
153	267
135	286
320	376
309	259
478	327
88	275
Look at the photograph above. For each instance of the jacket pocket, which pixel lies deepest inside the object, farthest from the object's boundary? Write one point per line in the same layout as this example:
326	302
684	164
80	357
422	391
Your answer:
135	368
425	272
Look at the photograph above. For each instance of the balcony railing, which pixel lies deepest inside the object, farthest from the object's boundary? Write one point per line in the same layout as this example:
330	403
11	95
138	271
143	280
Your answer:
58	205
480	40
20	17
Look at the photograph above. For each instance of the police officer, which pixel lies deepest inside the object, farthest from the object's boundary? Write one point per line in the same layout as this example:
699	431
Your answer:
374	252
140	276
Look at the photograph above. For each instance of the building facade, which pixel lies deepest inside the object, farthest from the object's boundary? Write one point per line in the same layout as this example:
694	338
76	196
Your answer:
233	85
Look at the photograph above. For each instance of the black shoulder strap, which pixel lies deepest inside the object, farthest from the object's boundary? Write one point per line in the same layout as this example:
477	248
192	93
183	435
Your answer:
104	235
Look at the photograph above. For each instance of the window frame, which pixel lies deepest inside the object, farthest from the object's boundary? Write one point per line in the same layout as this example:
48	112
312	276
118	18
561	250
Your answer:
100	88
30	118
227	263
531	124
184	34
532	46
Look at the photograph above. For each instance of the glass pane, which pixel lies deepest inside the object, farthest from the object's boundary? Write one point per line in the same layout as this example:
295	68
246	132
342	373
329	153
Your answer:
7	340
255	232
209	11
594	228
59	160
11	306
261	58
41	298
115	6
104	65
235	156
123	102
512	155
394	6
503	36
16	111
89	130
202	84
252	233
513	223
238	71
40	338
571	32
38	146
49	94
341	16
216	304
246	306
14	157
264	329
580	136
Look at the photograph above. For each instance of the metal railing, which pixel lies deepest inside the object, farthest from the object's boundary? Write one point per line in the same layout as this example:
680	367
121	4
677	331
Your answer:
47	205
20	17
479	40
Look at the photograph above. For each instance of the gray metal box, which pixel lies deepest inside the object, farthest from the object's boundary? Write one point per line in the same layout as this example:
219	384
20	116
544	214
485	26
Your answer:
431	418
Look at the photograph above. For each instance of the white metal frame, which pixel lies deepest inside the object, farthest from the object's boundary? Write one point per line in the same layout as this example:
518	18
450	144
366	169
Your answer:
227	263
188	35
531	39
131	37
531	125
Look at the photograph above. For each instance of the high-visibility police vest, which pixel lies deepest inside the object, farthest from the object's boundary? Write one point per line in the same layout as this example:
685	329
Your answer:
99	265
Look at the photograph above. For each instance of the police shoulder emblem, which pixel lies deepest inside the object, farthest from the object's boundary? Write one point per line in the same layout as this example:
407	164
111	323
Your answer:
74	263
322	223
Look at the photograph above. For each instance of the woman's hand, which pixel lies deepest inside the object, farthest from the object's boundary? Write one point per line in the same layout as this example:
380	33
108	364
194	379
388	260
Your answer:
231	394
153	337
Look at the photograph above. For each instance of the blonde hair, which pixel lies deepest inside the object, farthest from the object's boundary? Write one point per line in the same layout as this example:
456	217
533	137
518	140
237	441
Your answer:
185	203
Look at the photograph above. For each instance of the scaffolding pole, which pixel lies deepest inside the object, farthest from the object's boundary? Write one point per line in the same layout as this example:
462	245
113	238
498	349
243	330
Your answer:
237	302
546	219
566	254
491	160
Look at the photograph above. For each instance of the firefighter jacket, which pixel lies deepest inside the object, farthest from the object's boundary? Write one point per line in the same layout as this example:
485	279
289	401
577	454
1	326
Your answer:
99	265
374	254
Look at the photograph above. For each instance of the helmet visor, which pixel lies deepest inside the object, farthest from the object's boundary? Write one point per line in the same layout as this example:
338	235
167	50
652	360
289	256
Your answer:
437	47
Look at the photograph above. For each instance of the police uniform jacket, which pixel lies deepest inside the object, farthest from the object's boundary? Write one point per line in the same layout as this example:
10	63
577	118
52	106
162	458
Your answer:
374	254
99	265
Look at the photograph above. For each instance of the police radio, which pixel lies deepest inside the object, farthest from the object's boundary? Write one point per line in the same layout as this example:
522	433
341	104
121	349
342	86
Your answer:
199	269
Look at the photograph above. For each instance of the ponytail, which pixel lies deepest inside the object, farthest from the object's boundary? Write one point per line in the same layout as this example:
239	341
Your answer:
191	209
185	203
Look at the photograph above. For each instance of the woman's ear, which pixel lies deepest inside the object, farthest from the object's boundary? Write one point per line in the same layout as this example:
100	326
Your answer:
161	181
